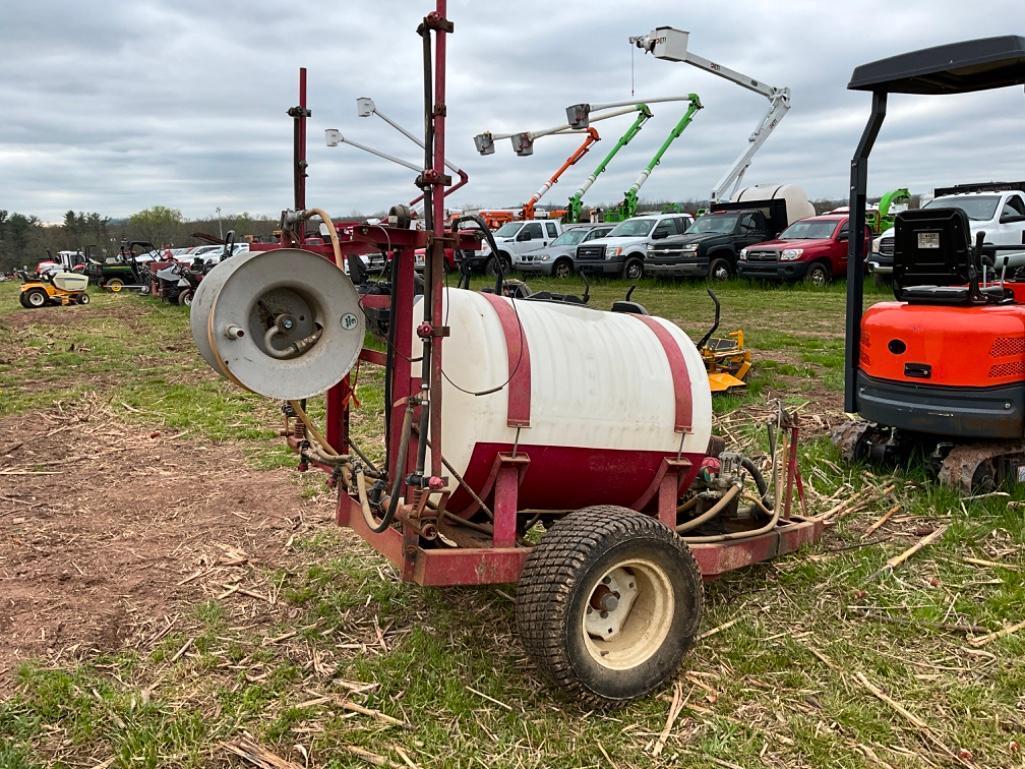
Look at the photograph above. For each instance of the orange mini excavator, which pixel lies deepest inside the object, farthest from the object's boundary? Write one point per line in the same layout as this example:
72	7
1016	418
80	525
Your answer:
939	373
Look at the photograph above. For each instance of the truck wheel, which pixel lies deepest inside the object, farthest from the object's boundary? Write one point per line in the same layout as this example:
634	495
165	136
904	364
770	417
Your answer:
720	269
818	275
562	269
35	297
114	284
608	604
633	269
491	268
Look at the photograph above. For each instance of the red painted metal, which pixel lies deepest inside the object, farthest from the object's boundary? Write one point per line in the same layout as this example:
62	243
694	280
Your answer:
299	114
600	476
510	481
436	273
518	353
720	557
511	468
678	368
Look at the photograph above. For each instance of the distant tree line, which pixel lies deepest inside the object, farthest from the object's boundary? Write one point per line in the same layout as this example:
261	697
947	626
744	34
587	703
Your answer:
25	239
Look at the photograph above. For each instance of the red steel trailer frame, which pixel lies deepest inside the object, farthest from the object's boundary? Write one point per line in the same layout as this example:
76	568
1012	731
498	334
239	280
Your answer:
482	553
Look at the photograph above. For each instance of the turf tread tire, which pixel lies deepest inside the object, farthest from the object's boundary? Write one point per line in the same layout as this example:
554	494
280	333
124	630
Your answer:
559	563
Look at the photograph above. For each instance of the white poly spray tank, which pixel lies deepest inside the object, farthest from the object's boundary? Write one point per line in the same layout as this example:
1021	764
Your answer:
596	399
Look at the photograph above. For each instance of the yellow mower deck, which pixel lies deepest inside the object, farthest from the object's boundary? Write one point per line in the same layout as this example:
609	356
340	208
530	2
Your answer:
727	362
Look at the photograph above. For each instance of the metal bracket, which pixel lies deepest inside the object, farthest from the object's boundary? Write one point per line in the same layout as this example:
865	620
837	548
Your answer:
431	178
437	22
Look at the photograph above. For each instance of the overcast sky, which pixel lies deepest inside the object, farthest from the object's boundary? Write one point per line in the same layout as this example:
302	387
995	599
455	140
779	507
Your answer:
117	106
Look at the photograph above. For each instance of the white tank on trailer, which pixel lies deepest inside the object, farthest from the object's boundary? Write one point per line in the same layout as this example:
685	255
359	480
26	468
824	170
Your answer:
794	198
597	400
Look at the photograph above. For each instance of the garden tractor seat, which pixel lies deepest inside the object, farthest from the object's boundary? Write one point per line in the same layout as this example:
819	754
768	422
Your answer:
934	261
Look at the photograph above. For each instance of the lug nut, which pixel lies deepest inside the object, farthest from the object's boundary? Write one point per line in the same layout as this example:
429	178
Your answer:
234	332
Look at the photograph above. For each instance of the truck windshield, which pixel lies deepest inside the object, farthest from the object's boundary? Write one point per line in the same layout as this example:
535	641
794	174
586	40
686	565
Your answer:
979	208
508	229
632	228
722	225
809	230
570	237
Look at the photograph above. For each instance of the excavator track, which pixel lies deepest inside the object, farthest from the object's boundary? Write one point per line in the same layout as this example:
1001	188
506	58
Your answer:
973	468
848	439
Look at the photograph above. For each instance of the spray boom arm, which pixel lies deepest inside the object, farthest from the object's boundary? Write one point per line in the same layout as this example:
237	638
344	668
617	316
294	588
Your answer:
671	44
365	107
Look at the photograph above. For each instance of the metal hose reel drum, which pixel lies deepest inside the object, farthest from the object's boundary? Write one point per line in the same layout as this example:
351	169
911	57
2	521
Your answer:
286	324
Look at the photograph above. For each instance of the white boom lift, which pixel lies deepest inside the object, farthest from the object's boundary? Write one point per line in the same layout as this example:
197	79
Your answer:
670	44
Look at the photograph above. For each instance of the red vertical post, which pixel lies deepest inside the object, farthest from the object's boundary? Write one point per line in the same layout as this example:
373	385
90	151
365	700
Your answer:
438	267
299	115
401	376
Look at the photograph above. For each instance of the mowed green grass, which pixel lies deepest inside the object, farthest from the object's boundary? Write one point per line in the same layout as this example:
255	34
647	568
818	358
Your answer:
779	682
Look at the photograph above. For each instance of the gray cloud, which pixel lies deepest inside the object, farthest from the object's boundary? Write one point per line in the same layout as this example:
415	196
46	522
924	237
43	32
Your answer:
116	106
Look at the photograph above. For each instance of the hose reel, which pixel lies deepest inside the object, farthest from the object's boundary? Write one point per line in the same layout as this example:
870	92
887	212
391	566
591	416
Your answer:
286	324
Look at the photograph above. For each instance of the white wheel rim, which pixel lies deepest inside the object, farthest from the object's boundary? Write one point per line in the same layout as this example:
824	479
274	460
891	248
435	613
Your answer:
36	299
638	606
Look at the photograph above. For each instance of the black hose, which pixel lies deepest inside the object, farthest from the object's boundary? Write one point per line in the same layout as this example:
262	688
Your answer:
393	503
759	479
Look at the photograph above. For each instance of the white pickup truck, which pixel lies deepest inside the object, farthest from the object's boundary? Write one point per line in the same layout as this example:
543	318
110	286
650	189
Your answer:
1000	213
514	239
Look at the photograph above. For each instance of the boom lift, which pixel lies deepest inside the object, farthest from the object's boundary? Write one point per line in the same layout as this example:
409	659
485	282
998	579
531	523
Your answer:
591	136
523	145
671	44
576	205
579	116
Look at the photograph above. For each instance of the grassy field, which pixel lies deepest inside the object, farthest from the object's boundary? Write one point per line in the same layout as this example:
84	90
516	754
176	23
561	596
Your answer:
810	661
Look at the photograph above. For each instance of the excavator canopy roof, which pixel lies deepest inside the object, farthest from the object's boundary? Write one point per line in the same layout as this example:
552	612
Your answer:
971	65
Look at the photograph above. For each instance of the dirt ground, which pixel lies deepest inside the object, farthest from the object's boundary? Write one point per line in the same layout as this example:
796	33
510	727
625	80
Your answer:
109	530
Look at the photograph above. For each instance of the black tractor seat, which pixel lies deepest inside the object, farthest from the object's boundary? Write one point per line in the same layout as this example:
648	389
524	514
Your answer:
935	262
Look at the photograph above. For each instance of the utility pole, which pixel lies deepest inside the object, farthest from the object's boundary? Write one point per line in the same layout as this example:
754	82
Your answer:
220	229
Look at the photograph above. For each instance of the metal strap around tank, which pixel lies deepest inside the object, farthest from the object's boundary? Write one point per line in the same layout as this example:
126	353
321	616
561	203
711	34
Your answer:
518	352
684	422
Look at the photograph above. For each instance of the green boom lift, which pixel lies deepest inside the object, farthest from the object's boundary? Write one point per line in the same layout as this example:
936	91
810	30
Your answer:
576	204
628	207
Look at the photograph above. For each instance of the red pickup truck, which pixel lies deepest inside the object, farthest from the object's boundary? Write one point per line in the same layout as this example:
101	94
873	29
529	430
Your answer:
812	249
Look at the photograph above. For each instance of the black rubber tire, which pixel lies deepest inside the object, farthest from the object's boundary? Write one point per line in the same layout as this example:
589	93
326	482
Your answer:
491	266
633	269
36	298
818	275
21	299
555	589
720	269
563	268
83	298
184	299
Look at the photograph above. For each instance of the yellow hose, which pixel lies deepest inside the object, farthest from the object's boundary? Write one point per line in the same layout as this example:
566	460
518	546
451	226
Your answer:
711	512
332	233
322	445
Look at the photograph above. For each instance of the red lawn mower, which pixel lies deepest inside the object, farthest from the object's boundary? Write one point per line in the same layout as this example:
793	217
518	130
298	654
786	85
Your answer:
535	441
